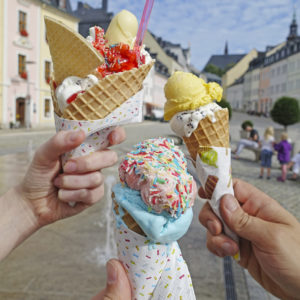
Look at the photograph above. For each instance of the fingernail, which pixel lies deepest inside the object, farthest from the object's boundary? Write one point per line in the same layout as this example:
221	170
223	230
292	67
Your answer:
227	248
70	166
211	227
230	203
73	136
111	273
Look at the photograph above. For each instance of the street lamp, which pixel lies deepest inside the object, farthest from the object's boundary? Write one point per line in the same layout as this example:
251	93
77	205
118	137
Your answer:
27	107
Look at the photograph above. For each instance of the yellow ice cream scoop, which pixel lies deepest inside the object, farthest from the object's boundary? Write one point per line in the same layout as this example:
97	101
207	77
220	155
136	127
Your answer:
185	91
122	28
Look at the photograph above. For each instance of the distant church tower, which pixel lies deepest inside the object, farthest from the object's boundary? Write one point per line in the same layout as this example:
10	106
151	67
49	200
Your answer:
226	48
293	28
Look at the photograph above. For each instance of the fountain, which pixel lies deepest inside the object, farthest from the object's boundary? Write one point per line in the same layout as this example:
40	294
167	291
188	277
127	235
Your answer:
109	249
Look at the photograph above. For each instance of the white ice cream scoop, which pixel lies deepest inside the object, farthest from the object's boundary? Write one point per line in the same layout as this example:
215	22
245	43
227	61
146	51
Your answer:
71	87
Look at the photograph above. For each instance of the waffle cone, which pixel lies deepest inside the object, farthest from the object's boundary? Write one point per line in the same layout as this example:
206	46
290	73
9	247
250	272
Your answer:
209	133
106	95
127	218
72	55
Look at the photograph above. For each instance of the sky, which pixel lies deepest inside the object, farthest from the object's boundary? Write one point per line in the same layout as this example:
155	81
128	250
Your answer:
206	25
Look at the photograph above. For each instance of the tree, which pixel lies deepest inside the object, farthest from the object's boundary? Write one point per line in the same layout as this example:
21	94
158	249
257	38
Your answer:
211	68
286	111
225	104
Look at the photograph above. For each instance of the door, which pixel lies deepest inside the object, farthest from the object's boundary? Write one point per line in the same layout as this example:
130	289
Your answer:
20	111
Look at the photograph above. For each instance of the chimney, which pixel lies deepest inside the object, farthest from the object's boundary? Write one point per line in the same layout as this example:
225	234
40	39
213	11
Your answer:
79	5
104	5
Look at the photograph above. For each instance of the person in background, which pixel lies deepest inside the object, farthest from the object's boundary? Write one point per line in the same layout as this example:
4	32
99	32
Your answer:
267	151
295	163
251	141
283	154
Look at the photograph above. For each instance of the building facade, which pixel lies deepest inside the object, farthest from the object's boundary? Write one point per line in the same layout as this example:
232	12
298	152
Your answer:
62	13
238	70
235	95
272	75
20	96
2	34
25	99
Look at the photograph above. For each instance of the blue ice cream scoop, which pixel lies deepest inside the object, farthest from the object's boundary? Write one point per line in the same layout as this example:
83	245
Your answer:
162	228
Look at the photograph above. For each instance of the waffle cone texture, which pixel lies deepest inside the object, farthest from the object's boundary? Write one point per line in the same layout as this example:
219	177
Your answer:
107	94
72	54
209	133
127	218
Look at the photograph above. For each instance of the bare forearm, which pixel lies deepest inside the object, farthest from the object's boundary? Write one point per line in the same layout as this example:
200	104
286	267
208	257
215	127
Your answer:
17	221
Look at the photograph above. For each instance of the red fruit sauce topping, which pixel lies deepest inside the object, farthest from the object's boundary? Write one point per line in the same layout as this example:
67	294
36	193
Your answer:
118	58
73	97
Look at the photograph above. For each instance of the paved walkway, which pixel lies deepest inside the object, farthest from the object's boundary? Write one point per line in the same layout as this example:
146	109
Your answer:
65	260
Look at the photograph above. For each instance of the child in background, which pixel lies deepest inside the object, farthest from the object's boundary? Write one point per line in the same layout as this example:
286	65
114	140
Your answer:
267	152
295	163
283	148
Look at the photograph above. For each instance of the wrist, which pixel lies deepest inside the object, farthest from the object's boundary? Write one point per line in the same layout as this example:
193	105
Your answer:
17	220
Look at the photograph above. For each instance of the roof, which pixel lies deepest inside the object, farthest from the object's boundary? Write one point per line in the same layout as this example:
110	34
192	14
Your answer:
90	16
222	61
54	3
274	49
257	62
238	81
176	51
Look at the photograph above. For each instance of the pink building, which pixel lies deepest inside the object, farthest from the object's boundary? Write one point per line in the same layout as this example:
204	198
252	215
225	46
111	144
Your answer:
21	56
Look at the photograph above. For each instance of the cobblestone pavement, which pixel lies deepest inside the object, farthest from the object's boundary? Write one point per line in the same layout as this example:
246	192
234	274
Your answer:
65	260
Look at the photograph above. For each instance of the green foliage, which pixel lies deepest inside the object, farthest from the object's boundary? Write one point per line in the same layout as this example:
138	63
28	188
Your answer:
211	68
247	123
225	104
286	111
214	70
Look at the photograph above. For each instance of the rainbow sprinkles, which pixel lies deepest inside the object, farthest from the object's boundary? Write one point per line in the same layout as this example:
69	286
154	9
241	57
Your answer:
158	169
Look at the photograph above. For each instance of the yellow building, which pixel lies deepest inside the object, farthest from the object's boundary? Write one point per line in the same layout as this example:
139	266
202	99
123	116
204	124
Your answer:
1	57
162	56
238	70
45	105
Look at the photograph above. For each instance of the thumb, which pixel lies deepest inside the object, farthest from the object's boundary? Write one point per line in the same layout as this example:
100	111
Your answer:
244	225
60	143
118	285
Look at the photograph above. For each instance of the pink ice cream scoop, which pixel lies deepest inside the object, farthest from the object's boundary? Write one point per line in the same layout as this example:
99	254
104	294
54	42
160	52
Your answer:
158	169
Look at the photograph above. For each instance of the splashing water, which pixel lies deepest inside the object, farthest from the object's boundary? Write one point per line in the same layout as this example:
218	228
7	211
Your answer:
109	250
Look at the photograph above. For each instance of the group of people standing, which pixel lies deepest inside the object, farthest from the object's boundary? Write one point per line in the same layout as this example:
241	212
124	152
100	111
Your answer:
268	145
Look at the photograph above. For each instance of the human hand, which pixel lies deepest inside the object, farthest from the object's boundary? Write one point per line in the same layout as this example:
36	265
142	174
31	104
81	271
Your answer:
48	192
117	286
270	238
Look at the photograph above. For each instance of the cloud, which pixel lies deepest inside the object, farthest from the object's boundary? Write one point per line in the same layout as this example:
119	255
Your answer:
208	24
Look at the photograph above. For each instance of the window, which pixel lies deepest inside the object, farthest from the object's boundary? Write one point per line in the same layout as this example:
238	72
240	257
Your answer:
23	23
278	70
283	87
47	111
47	71
22	66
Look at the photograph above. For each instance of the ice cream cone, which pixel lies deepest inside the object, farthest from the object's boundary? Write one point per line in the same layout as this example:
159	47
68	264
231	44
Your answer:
107	94
72	55
209	133
127	218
